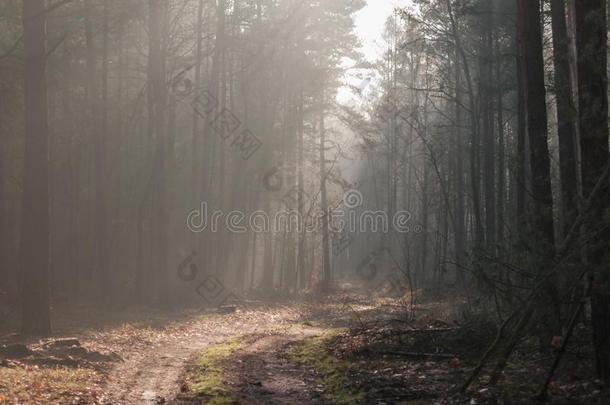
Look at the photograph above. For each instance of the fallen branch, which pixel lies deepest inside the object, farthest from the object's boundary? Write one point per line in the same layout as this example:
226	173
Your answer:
416	355
510	347
432	330
541	395
488	353
423	330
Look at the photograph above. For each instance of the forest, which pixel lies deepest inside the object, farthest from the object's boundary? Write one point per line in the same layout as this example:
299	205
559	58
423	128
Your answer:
304	202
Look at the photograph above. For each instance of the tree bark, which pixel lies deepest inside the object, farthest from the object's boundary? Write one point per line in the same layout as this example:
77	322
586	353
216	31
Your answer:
327	272
101	217
591	38
488	135
521	160
157	123
542	214
196	155
501	154
541	238
566	115
302	278
34	249
460	236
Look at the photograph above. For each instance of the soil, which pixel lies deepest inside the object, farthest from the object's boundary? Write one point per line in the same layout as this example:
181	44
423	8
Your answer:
390	353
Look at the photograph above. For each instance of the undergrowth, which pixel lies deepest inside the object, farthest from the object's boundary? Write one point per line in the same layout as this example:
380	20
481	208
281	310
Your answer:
208	379
314	352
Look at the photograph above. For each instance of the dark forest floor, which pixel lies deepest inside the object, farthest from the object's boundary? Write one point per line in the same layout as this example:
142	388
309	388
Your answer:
351	349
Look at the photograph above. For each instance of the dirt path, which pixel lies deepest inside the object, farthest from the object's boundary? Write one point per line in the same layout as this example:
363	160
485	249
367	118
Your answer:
143	357
381	357
262	373
147	376
151	374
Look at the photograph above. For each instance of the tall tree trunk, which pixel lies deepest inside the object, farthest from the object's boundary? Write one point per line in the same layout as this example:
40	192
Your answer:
157	125
326	263
196	155
591	39
460	211
101	221
566	115
489	147
268	276
34	249
537	125
542	235
118	234
302	278
521	152
420	276
5	276
475	178
207	241
501	154
92	127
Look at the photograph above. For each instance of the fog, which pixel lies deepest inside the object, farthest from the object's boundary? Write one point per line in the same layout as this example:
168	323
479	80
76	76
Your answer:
193	172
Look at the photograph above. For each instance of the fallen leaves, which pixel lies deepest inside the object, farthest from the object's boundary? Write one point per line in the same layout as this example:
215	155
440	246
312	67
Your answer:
34	385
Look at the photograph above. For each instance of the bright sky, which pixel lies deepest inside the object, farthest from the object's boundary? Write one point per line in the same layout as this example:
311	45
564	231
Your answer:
370	22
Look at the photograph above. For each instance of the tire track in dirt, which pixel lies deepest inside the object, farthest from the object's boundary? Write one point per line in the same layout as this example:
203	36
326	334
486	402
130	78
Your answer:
261	371
152	375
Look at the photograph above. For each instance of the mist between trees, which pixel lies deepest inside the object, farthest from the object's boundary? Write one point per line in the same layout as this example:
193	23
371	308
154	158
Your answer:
339	221
476	146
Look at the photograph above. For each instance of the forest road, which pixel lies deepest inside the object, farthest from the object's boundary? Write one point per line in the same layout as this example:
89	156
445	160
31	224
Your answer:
262	373
152	374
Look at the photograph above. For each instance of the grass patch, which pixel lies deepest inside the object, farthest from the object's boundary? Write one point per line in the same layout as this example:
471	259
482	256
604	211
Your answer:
49	385
208	379
314	352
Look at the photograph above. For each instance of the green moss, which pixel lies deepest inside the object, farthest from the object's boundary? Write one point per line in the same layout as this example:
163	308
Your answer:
208	380
314	353
221	400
